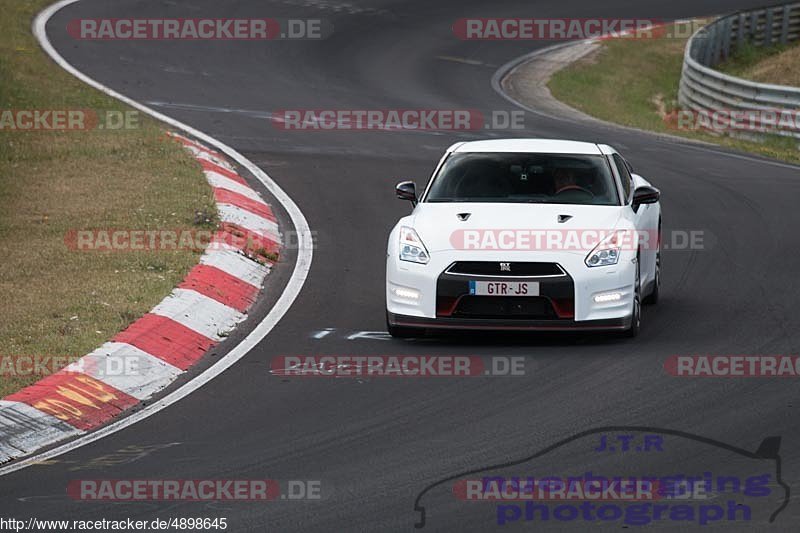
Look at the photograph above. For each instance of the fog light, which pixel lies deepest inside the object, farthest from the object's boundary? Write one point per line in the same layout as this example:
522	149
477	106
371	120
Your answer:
607	297
408	294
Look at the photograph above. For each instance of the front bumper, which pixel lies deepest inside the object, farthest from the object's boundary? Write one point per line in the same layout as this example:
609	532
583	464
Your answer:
569	301
612	324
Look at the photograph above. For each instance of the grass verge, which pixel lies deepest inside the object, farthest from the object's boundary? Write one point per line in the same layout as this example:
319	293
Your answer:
634	82
58	302
779	65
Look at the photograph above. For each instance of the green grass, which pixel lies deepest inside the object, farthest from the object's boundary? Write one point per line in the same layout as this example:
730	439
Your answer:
779	64
747	56
634	82
59	302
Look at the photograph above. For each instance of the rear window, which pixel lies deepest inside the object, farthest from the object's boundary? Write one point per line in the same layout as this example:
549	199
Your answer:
524	178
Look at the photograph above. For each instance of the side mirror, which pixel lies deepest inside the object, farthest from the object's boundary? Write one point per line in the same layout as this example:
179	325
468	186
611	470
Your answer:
645	195
407	190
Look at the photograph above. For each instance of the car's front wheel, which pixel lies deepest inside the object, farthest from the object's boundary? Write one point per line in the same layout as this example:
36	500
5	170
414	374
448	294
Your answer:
636	317
401	332
654	295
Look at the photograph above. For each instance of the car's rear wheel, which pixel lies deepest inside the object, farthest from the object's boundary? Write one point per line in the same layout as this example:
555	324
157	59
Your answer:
401	332
636	317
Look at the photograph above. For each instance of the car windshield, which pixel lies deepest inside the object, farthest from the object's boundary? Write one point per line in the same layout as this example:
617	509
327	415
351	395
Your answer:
524	178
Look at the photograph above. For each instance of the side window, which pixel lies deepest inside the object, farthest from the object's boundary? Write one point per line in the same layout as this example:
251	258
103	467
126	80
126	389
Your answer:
624	174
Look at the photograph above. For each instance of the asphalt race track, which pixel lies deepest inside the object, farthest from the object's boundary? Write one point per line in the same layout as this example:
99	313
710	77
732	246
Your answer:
376	444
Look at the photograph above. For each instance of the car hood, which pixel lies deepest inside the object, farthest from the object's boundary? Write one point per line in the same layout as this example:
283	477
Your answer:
440	225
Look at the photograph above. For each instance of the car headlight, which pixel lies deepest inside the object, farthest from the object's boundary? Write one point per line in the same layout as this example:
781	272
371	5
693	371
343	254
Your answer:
606	253
411	247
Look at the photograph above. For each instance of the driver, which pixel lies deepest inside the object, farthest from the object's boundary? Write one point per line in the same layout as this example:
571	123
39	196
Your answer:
564	180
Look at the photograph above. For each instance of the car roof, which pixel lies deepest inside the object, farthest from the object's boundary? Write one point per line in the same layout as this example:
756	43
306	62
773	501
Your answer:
542	146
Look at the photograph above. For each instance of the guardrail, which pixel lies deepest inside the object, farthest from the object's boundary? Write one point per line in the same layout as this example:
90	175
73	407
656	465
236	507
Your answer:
705	90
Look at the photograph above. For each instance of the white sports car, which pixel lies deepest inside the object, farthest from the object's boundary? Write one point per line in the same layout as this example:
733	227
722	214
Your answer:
525	234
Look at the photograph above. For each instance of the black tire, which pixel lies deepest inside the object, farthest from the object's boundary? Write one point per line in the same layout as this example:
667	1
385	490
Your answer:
636	318
655	293
400	332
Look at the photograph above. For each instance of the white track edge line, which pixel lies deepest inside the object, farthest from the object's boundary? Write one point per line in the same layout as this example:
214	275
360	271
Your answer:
282	305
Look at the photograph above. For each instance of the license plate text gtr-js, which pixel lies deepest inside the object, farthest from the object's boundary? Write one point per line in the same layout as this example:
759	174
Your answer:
504	288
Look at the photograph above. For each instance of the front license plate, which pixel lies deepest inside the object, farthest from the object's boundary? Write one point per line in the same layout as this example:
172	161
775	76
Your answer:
504	288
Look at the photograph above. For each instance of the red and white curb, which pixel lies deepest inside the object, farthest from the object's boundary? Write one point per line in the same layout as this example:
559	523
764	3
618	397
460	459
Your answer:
160	346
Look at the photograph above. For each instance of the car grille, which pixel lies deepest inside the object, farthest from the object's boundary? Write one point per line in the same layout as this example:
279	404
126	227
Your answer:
514	269
508	307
